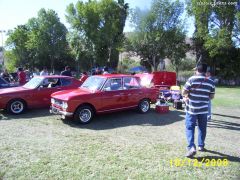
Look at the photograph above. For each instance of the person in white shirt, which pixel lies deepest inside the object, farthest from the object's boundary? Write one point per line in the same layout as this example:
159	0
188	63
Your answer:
44	72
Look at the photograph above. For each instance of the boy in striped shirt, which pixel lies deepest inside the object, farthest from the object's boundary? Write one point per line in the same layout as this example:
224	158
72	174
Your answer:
197	91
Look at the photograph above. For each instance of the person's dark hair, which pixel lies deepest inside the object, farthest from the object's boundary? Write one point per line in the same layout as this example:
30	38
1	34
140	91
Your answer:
105	68
201	67
20	69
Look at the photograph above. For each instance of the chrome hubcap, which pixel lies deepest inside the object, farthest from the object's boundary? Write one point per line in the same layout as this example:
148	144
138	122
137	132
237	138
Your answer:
144	106
85	115
17	107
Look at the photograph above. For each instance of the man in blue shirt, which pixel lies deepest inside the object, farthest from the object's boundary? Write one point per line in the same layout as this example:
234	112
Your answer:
197	93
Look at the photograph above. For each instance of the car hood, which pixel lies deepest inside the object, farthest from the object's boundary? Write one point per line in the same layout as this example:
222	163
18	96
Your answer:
13	90
67	94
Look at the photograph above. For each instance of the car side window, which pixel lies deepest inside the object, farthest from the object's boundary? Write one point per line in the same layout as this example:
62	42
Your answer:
45	83
66	82
130	83
113	85
54	82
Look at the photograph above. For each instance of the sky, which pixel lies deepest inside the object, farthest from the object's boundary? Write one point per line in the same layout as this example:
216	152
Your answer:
17	12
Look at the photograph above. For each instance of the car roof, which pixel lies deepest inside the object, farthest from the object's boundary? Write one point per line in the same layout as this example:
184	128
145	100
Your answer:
54	76
114	75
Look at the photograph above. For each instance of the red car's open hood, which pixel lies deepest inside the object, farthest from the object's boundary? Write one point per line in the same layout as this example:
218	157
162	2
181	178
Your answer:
13	90
67	94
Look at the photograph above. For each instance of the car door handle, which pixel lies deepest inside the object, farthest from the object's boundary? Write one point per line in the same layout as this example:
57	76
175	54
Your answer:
59	88
129	94
117	95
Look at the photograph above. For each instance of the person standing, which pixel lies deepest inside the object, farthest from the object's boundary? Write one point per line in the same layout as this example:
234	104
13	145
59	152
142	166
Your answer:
209	76
105	70
197	93
66	72
5	75
21	76
44	72
84	76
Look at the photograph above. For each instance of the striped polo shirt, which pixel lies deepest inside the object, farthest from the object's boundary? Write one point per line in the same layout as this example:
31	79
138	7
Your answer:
199	88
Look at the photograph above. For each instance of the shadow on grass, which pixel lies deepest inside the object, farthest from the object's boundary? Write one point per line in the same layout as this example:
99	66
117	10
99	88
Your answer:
224	115
224	125
129	118
31	113
217	156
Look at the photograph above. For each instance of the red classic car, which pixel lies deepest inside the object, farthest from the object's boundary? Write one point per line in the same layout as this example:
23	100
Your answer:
35	94
102	94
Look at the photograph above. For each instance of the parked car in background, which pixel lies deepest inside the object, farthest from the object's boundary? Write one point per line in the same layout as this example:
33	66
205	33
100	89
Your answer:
34	94
103	94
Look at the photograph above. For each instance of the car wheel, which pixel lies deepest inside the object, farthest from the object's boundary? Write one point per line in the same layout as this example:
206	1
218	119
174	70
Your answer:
16	106
84	114
144	106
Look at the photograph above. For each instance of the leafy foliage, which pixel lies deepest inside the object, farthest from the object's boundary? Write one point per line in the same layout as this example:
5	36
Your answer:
157	31
40	42
101	24
217	34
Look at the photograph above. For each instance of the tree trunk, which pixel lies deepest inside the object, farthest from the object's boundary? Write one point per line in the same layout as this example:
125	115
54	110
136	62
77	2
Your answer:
154	64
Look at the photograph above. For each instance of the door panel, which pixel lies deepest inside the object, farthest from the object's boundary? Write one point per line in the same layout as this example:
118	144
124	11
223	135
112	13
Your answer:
112	95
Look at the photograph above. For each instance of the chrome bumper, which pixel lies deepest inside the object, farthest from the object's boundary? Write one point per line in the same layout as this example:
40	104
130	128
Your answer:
54	110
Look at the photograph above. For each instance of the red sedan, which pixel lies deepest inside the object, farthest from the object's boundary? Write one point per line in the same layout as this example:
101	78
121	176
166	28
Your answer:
35	94
102	94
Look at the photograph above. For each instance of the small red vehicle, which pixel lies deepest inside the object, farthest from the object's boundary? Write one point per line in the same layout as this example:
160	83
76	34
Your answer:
103	94
34	94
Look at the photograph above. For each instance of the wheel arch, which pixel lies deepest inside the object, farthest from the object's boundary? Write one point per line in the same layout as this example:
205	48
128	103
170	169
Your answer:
14	99
147	98
86	104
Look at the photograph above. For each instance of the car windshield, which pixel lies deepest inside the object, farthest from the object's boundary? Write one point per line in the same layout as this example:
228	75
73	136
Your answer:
93	83
33	83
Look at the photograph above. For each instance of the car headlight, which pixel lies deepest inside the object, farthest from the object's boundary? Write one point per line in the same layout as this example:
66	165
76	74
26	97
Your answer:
64	105
52	101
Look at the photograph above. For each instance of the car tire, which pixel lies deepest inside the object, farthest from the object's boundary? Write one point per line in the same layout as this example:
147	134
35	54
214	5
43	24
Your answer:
84	114
144	106
16	106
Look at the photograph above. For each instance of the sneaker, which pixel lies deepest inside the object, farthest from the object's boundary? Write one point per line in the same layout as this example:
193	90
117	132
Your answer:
191	152
201	149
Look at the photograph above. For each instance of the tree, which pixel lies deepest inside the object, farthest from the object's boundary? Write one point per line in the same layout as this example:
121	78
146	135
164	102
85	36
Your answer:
157	31
177	53
101	23
40	42
217	33
82	50
47	39
19	54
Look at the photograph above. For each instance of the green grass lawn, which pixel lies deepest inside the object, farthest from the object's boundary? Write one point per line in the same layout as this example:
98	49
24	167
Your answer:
124	145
